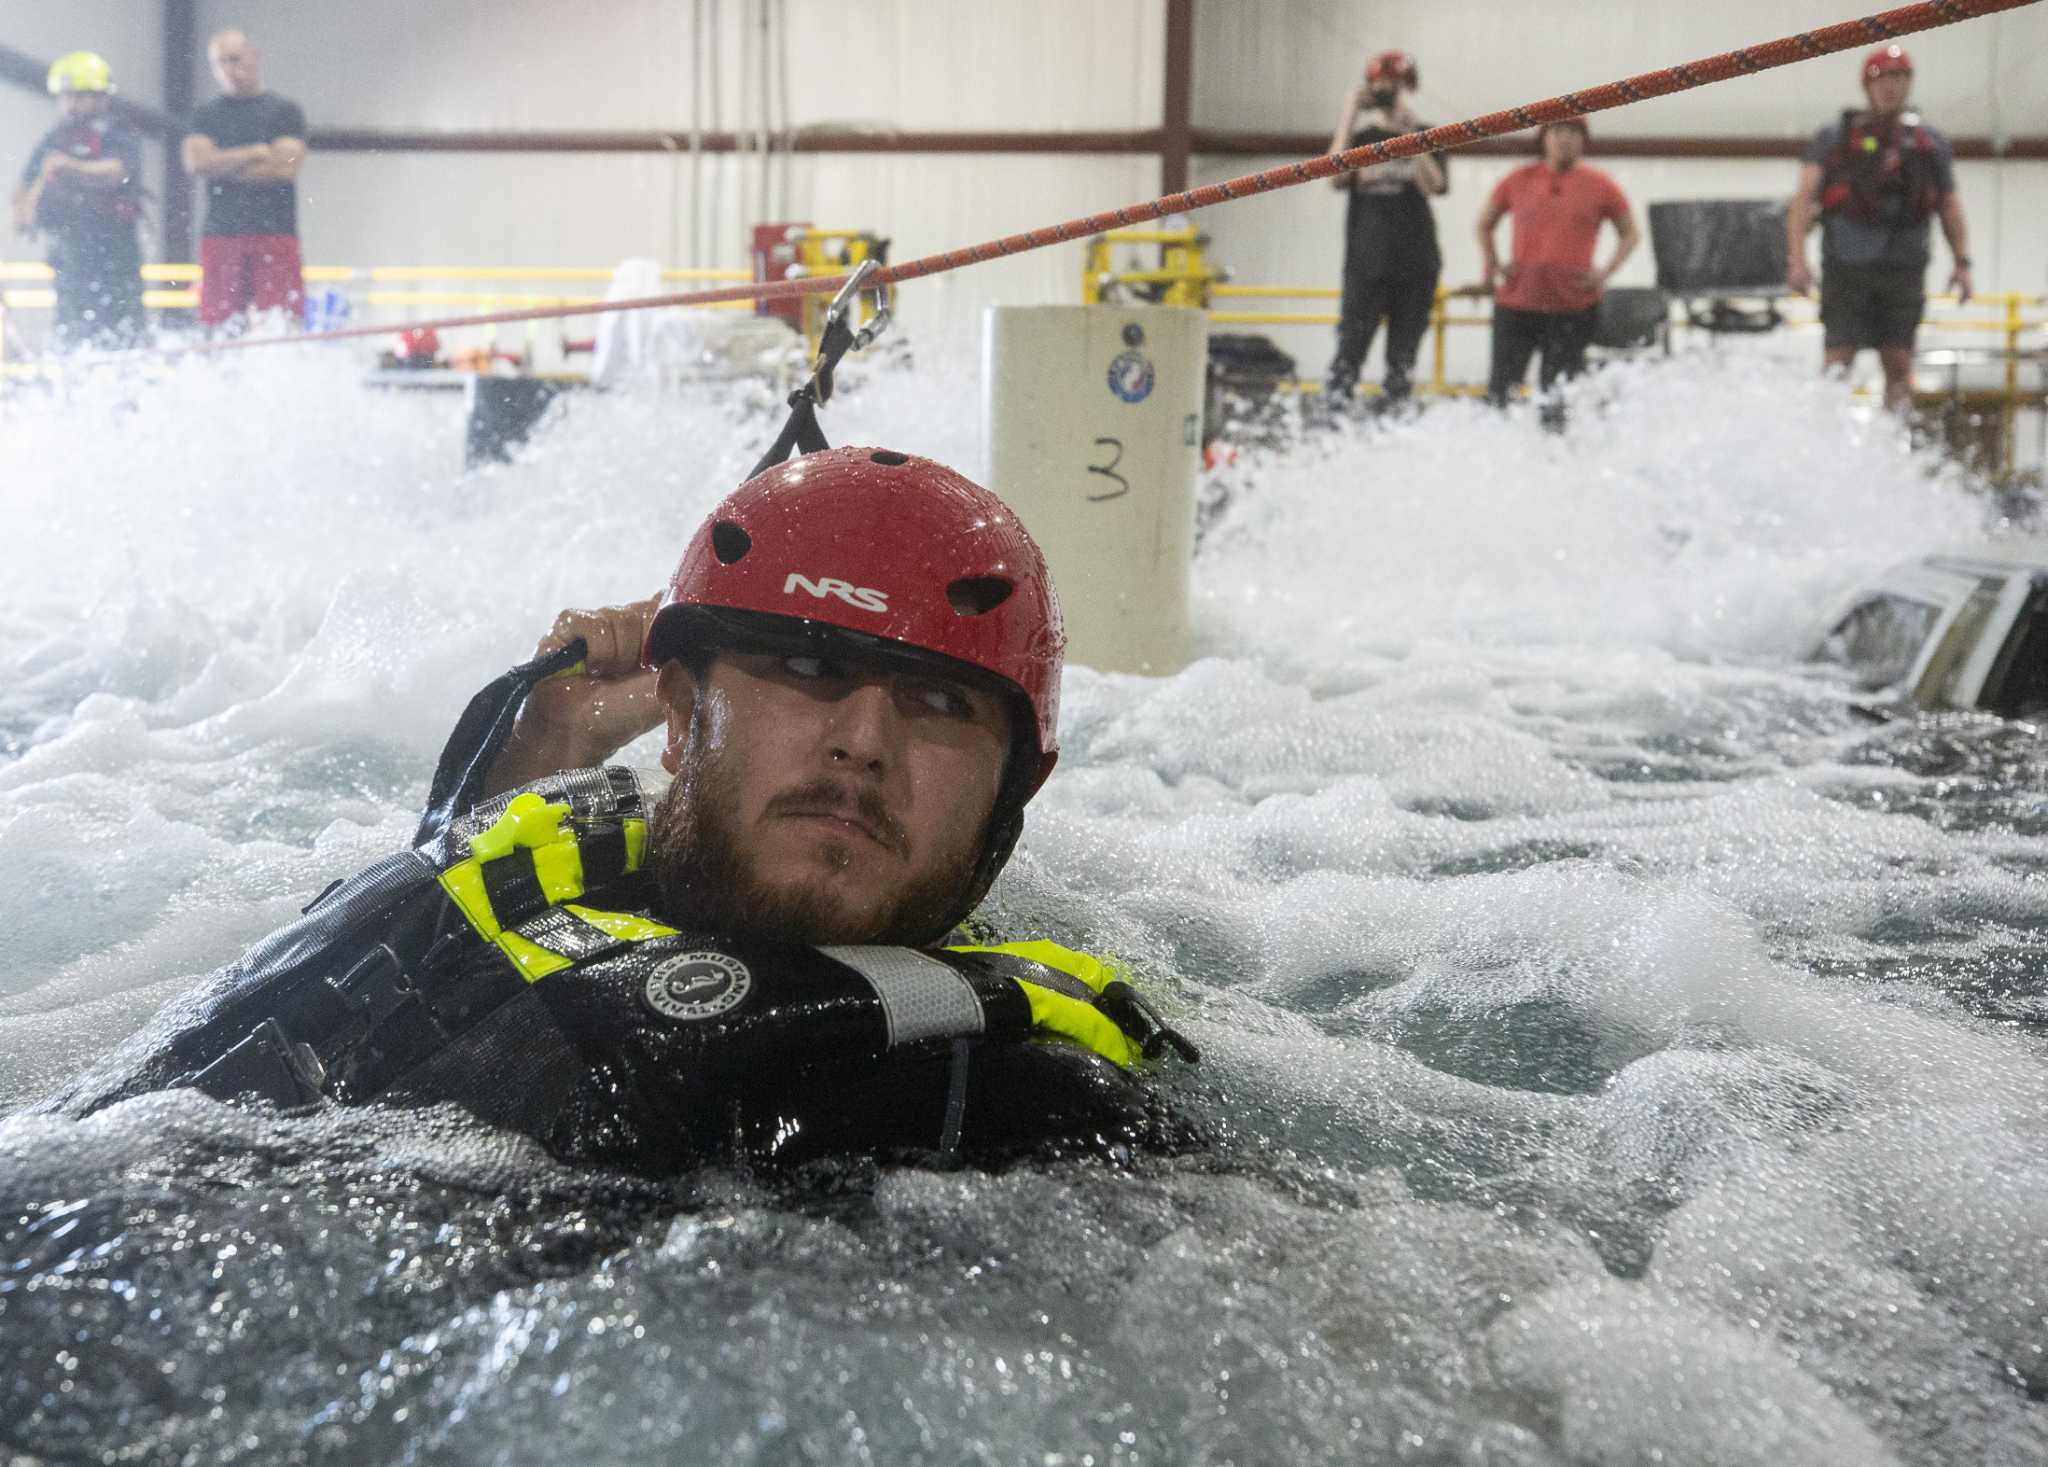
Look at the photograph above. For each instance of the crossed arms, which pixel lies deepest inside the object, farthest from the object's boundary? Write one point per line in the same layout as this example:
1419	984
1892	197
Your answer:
272	162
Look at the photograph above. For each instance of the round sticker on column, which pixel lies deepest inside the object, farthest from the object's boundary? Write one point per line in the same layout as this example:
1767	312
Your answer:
1131	376
697	986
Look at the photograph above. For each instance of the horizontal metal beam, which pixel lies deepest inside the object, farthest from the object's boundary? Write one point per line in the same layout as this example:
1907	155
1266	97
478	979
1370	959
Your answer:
1209	142
1217	143
804	140
19	69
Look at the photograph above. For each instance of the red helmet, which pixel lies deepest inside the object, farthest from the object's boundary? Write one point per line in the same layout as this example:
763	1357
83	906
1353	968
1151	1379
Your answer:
1886	59
892	559
1393	66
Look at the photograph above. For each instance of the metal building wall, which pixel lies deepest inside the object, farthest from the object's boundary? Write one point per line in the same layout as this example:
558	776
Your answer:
1287	66
1009	65
876	65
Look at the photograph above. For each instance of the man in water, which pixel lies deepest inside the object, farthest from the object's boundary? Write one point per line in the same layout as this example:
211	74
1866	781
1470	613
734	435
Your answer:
857	668
1874	179
248	144
83	188
1547	300
1391	261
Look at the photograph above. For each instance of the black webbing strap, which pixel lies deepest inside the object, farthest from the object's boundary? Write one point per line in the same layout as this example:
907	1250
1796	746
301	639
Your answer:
956	1099
480	735
800	431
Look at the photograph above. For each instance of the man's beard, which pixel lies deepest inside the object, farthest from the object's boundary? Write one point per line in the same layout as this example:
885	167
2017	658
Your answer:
707	883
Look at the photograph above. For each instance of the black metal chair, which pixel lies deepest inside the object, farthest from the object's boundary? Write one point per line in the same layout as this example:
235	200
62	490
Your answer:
1633	319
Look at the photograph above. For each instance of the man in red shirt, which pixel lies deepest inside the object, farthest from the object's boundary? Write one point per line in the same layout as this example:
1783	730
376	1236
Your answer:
1548	295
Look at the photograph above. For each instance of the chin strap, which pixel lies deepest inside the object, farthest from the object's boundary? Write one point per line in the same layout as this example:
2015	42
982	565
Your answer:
800	432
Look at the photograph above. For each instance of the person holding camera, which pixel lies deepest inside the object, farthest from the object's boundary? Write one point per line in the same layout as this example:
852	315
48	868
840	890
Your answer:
1391	261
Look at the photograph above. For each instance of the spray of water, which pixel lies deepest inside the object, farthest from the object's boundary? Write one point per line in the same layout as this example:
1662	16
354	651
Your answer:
1618	1051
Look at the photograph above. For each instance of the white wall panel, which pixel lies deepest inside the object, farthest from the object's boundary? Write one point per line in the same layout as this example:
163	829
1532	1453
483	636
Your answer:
995	64
626	65
555	209
1287	64
539	64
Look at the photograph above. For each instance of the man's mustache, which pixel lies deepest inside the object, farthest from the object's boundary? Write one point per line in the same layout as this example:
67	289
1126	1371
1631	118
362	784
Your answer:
846	802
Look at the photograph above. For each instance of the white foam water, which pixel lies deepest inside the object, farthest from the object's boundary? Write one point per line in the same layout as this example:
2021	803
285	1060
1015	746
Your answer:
1616	1050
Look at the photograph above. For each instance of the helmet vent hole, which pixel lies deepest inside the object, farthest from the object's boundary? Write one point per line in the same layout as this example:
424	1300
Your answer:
976	595
729	542
889	457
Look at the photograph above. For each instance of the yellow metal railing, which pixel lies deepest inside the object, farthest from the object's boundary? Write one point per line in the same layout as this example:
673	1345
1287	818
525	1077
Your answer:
25	286
2004	312
1183	277
833	252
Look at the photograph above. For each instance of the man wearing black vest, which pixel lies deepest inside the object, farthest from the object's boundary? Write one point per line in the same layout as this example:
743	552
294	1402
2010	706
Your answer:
1875	179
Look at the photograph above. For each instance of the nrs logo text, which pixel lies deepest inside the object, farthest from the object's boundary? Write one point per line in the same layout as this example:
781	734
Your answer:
863	598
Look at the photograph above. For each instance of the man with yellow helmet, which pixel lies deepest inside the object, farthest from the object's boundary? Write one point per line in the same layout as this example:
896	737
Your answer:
82	188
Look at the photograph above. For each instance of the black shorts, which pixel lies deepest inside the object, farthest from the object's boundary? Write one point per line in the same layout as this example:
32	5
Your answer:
1871	305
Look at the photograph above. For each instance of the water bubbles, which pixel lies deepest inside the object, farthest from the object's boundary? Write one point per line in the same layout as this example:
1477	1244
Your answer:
1616	1050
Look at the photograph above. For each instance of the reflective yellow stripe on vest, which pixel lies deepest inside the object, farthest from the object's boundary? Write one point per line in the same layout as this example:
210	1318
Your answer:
533	823
1097	973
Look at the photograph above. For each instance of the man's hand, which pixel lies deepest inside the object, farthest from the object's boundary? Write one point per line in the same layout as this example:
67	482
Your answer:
576	720
56	163
1798	276
1593	280
1959	282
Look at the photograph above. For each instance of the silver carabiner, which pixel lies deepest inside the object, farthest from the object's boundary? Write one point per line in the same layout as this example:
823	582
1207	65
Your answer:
849	293
819	387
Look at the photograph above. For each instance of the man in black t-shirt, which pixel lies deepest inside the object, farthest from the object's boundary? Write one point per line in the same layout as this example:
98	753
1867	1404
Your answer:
248	145
1391	263
83	188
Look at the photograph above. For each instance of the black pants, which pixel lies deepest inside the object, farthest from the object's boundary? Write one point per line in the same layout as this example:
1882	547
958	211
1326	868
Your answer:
1405	301
1560	336
99	290
1871	305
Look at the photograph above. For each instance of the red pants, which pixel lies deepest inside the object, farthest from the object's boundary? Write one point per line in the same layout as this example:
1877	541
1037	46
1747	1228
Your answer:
248	272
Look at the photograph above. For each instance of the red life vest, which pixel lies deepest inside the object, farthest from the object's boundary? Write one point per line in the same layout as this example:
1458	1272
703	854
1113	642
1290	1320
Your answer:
68	204
1874	168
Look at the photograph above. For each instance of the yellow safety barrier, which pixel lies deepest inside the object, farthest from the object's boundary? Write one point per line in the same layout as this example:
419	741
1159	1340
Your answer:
1183	277
37	296
2004	312
832	252
522	272
324	274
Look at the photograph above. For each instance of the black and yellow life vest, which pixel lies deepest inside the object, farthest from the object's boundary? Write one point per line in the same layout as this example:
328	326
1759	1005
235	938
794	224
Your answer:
508	964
